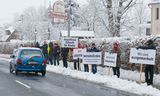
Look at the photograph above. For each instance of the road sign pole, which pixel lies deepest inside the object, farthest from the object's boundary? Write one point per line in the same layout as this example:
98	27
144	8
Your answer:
69	17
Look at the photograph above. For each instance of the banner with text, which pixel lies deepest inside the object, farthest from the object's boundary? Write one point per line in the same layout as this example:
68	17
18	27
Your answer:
110	59
69	42
142	56
92	58
78	53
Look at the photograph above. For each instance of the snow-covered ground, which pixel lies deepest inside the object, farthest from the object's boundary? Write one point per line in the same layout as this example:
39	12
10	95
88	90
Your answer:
105	77
127	82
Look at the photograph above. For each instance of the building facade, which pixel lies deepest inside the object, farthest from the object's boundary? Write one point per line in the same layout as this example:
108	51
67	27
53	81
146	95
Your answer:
155	17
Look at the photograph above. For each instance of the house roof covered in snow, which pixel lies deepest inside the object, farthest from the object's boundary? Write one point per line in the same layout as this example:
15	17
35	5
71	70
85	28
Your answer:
155	2
11	29
5	36
78	33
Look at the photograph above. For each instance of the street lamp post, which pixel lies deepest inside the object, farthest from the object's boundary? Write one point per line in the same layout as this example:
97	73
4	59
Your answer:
35	32
69	17
49	33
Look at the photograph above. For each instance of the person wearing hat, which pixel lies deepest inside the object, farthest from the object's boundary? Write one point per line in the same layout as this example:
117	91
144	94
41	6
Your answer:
44	48
149	69
116	49
94	49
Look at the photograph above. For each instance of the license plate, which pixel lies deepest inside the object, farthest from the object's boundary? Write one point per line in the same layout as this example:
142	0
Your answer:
32	62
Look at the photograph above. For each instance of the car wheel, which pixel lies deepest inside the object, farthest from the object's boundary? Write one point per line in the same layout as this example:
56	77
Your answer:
16	72
43	73
11	69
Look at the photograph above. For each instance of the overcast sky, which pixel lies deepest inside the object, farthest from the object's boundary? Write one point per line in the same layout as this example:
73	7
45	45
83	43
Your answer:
9	8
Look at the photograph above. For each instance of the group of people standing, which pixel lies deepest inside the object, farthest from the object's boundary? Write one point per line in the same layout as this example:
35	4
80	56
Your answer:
52	52
148	69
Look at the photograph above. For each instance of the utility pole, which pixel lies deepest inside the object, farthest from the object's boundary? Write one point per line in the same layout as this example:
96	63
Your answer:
49	33
35	32
69	17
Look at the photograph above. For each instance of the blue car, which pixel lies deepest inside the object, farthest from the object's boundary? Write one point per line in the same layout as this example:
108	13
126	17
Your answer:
29	60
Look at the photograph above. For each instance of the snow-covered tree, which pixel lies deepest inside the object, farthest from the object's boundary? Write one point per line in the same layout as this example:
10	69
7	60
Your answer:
33	22
116	9
75	16
136	19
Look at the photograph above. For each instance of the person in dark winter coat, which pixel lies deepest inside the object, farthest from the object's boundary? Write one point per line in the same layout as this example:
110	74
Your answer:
56	53
64	54
44	50
94	66
149	69
116	49
50	53
37	45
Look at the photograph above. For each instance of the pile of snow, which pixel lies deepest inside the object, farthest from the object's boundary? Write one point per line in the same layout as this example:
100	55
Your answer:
110	81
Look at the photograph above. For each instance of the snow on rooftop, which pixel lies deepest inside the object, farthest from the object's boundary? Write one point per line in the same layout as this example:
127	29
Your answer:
29	48
78	33
4	38
155	1
11	29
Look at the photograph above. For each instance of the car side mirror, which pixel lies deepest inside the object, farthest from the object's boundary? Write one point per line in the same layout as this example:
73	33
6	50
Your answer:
12	56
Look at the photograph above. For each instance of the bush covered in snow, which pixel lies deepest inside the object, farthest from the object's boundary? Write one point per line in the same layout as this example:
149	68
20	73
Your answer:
8	47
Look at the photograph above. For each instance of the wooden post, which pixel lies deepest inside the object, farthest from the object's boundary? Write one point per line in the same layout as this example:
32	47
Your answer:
141	67
90	67
79	64
109	70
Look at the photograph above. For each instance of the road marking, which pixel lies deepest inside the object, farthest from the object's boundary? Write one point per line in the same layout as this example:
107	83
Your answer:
25	85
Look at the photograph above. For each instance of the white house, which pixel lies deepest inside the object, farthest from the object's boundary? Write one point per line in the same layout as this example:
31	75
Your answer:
155	17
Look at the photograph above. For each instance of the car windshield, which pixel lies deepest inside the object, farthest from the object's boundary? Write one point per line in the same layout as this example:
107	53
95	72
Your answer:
30	53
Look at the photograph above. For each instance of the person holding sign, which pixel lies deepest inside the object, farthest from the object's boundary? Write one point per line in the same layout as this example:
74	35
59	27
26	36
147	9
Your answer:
149	68
86	67
94	66
77	61
116	49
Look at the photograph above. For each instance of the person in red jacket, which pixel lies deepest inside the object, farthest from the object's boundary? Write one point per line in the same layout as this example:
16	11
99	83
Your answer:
116	49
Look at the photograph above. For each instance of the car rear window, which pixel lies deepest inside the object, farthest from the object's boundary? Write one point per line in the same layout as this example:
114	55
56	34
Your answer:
31	53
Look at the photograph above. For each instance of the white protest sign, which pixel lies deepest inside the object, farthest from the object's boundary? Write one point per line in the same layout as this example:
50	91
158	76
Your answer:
69	42
142	56
110	59
78	53
92	58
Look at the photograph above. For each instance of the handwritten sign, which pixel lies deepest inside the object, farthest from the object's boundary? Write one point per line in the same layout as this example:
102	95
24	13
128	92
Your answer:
110	59
78	53
69	42
92	58
142	56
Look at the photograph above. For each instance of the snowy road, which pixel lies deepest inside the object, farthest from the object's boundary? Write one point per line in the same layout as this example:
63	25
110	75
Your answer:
51	85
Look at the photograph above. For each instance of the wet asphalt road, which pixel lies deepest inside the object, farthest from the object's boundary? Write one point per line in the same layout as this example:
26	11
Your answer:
30	84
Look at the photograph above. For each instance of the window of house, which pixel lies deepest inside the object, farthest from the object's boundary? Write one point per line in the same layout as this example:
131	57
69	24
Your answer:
157	13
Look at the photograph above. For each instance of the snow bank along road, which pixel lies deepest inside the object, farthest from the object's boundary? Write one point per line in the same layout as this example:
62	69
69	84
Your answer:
110	81
51	85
